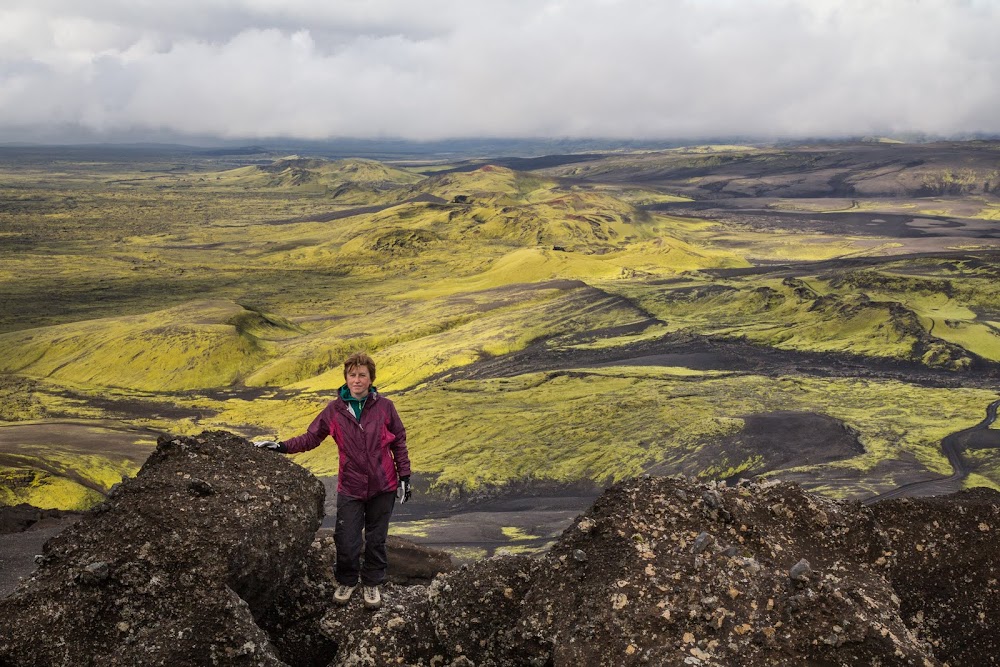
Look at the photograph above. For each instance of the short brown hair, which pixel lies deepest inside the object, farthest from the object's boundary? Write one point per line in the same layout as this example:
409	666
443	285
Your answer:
360	359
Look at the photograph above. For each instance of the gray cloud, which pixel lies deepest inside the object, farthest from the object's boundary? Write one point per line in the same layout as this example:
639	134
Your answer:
428	69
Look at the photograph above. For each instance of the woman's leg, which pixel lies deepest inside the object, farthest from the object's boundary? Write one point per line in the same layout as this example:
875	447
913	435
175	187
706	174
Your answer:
347	537
378	510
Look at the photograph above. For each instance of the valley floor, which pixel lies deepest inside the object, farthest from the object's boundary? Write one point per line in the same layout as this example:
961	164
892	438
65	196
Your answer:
823	314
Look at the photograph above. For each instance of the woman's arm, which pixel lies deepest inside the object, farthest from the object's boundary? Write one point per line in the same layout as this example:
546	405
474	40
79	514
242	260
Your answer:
319	429
398	445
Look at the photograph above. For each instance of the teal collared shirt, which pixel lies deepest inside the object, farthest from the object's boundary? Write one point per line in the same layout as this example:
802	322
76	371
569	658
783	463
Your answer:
355	404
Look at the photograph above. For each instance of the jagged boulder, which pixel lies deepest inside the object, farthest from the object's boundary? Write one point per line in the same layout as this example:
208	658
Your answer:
661	571
173	567
668	572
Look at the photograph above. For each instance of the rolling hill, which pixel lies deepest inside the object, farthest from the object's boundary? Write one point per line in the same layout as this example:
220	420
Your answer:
587	320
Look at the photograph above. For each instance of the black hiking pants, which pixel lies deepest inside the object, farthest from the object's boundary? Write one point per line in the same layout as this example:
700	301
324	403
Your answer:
354	517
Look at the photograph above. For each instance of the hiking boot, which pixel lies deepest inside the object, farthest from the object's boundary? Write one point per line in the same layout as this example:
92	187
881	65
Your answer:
373	597
343	593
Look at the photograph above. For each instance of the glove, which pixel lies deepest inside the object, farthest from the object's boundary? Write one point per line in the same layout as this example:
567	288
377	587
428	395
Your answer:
404	490
271	445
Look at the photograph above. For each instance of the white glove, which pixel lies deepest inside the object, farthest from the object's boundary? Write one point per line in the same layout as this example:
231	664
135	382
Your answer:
404	490
271	445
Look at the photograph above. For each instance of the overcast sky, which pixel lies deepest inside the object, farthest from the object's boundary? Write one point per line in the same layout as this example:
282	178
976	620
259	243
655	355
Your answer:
432	69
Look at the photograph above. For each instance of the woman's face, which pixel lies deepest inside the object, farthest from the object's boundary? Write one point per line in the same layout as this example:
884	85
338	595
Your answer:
358	381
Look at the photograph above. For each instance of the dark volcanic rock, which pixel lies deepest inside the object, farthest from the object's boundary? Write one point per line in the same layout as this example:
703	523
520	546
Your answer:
211	556
646	596
465	617
946	571
293	617
643	594
400	633
18	518
172	568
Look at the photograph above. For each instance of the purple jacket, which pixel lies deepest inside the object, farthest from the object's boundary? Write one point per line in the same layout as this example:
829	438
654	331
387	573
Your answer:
372	452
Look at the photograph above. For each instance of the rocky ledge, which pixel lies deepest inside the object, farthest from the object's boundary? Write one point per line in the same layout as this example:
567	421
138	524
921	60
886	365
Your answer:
666	571
211	555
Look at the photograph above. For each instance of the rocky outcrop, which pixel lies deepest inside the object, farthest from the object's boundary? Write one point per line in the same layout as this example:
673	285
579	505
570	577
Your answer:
173	567
22	517
211	556
670	572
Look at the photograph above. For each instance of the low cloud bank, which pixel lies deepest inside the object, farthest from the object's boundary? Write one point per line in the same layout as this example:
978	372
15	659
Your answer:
594	68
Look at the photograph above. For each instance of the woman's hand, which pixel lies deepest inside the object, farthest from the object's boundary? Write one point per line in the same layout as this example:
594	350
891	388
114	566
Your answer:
271	445
404	490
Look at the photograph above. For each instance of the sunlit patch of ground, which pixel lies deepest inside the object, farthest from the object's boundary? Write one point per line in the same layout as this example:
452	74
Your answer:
67	464
476	531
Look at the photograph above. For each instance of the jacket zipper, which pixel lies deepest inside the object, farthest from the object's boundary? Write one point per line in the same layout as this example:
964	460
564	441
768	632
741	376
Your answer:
356	420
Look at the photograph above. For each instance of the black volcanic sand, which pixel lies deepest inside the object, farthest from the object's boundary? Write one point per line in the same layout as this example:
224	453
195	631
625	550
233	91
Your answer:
18	551
892	225
473	526
783	439
786	439
703	354
107	436
474	529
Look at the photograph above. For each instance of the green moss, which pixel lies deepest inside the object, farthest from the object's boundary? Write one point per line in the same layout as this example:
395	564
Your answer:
516	534
724	469
523	549
411	529
18	399
219	298
466	554
870	318
974	480
44	490
191	347
571	426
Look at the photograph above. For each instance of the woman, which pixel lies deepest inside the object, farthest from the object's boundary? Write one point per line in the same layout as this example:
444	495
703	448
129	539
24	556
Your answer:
374	471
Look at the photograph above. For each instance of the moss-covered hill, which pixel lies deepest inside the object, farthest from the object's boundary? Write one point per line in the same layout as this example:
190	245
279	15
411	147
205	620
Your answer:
533	327
346	181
